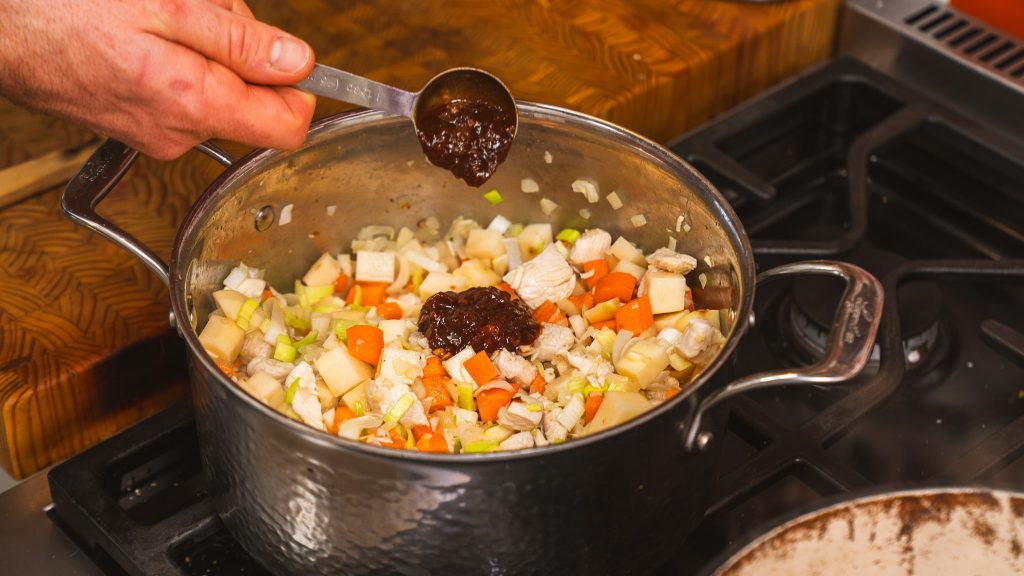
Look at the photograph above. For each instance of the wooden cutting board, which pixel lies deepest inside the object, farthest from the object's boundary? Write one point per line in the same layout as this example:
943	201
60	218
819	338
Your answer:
85	345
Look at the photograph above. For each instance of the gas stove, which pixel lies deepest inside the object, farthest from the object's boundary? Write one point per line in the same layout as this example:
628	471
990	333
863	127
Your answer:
870	159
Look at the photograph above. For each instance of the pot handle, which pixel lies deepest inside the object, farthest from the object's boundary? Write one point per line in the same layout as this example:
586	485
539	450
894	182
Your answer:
849	344
100	174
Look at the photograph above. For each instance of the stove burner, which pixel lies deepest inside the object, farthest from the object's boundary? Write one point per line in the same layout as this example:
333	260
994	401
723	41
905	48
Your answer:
810	310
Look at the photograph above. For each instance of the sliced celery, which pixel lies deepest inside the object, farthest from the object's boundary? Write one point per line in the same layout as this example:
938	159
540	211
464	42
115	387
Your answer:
494	197
284	351
569	235
400	408
479	446
466	397
292	389
245	313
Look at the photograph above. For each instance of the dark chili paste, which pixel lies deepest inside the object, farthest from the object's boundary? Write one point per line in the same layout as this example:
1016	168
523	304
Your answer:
485	318
467	137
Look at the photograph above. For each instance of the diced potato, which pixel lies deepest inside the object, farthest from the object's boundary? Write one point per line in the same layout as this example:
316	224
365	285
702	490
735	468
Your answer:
400	366
533	239
350	315
485	244
625	250
711	316
375	266
222	338
405	236
355	397
682	366
323	272
342	371
628	267
265	388
668	320
642	361
666	290
617	407
603	311
440	282
476	273
396	330
229	301
500	264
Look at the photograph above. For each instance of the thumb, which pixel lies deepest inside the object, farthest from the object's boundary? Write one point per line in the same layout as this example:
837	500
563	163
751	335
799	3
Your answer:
257	52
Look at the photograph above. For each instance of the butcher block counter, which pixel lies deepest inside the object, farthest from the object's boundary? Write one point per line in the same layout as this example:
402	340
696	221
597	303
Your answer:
85	344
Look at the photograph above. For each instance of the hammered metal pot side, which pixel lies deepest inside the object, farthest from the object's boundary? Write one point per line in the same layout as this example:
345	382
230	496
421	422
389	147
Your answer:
303	502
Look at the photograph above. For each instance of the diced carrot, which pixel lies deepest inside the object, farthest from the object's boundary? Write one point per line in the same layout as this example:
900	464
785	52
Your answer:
267	295
340	283
585	300
436	389
545	311
539	384
590	407
365	342
635	316
227	370
671	392
481	368
419	431
615	285
371	293
433	367
507	288
341	413
600	268
609	324
432	442
490	401
389	310
394	440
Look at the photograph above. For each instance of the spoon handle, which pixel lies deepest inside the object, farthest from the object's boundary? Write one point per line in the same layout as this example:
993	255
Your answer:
340	85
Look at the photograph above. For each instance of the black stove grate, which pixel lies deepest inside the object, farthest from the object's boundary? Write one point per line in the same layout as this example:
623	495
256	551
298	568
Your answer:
842	163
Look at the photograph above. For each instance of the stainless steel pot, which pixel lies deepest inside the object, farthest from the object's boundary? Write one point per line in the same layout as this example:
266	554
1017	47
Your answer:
938	532
302	501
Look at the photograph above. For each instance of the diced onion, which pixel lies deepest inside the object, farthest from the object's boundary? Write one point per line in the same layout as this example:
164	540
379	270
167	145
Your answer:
286	215
579	327
353	427
426	263
494	384
585	213
500	224
619	345
638	220
547	157
331	209
547	206
529	185
614	200
402	278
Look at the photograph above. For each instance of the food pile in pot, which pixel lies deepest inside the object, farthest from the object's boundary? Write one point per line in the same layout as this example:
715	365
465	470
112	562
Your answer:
482	339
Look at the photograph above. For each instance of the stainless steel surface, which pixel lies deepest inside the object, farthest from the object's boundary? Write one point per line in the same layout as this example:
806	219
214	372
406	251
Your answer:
849	345
97	178
354	89
939	532
32	544
456	83
985	84
302	501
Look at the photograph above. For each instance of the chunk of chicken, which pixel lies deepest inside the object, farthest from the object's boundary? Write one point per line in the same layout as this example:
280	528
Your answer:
273	367
590	364
514	367
591	245
517	441
553	431
255	347
552	340
518	415
698	336
383	394
548	277
306	401
672	261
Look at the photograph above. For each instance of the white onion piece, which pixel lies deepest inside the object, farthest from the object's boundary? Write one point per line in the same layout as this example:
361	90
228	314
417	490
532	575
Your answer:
619	346
515	256
402	278
579	327
353	427
500	224
494	384
426	263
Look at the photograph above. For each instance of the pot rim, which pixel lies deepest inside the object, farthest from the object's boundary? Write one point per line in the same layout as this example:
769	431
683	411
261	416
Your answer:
762	533
638	144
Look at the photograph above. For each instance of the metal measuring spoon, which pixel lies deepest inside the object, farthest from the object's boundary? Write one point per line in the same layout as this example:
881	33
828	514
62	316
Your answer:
465	118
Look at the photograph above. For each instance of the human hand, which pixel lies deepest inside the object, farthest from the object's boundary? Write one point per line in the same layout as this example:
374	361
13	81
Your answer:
159	75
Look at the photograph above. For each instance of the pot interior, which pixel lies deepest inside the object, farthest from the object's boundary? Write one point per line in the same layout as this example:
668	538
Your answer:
369	167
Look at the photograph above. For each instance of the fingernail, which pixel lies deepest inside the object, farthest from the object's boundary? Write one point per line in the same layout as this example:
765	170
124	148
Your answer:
288	54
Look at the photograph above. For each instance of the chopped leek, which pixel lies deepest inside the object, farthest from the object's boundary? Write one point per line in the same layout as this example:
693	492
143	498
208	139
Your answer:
569	235
514	230
284	351
417	279
466	397
534	408
245	313
306	340
341	329
400	408
315	294
357	296
292	389
479	446
494	197
359	409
